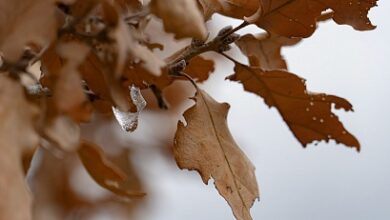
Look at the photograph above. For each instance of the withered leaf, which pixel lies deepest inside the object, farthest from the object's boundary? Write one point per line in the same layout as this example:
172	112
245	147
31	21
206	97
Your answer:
181	17
68	92
297	18
264	50
22	24
206	145
104	172
308	115
59	65
102	81
199	68
17	135
142	78
130	5
127	46
232	8
63	131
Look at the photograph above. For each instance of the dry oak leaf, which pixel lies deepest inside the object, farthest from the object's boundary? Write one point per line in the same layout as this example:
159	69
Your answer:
130	5
26	23
232	8
199	68
181	17
127	46
59	65
206	145
142	78
308	115
92	72
264	50
63	132
17	135
297	18
103	83
127	43
103	171
68	92
69	104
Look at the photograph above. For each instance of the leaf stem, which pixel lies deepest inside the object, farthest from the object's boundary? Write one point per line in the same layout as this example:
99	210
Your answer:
189	78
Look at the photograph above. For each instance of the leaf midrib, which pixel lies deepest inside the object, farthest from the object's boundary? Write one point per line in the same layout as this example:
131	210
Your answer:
223	151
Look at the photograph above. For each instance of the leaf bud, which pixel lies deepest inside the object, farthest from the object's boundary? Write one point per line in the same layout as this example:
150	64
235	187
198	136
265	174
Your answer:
224	30
196	42
231	38
177	67
224	47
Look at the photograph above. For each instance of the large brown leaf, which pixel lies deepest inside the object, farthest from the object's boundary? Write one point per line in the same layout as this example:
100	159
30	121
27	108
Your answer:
181	17
206	145
308	115
264	50
297	18
17	135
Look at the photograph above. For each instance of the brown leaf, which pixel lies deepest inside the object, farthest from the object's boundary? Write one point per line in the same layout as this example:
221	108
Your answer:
264	50
206	145
142	78
60	64
68	92
297	18
232	8
63	131
104	172
200	68
308	115
130	5
17	135
102	82
181	17
126	47
22	24
128	43
92	71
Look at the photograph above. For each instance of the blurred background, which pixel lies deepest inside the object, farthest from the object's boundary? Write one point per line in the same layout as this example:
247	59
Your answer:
326	181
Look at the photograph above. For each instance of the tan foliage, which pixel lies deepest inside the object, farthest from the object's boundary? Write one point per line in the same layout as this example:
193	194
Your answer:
264	50
181	17
205	144
104	172
105	56
307	114
297	18
232	8
17	32
17	136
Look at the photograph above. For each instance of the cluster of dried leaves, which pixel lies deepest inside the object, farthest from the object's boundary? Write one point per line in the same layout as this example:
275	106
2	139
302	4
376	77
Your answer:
96	56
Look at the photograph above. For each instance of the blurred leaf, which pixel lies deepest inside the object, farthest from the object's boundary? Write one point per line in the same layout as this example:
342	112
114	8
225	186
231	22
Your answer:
104	172
17	136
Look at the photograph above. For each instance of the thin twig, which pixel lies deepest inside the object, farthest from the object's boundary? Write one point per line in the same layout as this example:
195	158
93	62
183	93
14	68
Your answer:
214	45
189	78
